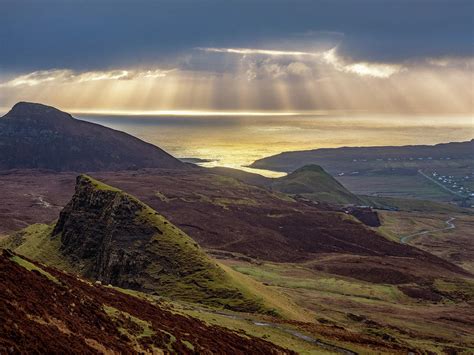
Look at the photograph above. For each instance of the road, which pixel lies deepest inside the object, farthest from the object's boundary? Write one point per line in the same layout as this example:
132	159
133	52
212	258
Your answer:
440	184
295	333
449	225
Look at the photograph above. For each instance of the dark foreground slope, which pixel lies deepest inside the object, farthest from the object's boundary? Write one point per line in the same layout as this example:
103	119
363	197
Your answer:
38	136
46	311
110	236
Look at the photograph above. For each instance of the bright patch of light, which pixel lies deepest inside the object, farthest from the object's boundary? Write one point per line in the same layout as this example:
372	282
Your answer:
203	113
375	70
70	76
259	51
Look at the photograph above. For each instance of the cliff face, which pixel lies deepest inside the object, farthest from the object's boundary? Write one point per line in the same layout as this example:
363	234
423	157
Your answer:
42	137
111	236
99	231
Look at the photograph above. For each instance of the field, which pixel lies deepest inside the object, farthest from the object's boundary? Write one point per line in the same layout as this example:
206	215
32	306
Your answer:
377	313
390	171
453	244
404	186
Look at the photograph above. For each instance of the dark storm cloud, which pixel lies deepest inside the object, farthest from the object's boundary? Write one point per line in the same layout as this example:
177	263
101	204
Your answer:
102	34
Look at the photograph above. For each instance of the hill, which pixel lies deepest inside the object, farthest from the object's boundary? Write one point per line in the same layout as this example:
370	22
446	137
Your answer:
334	159
110	236
312	182
441	172
47	311
35	136
225	215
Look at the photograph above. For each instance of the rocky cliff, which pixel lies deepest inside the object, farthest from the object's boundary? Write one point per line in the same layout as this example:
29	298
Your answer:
112	237
42	137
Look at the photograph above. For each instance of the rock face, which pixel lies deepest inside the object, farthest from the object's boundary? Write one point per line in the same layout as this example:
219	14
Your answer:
112	237
98	229
42	137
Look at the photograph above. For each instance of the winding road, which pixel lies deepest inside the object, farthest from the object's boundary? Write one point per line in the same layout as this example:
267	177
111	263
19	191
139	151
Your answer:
449	225
295	333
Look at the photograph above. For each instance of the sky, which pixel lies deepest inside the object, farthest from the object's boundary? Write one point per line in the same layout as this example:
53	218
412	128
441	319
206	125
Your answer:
253	57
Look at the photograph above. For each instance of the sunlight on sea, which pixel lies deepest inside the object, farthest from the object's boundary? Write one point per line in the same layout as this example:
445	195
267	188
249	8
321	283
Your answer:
238	141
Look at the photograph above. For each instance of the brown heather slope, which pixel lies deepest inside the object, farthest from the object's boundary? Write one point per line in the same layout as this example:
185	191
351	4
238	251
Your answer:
46	311
223	214
36	136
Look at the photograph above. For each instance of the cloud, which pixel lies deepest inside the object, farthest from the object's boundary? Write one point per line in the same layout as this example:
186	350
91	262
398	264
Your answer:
271	67
452	62
69	76
376	70
269	52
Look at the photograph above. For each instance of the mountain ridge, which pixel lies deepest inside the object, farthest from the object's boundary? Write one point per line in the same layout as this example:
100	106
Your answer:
36	136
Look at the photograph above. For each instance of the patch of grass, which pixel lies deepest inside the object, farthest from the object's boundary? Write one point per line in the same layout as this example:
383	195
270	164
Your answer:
283	197
228	181
190	274
290	277
273	299
30	267
188	345
455	288
395	225
247	325
412	205
37	242
98	184
225	202
313	183
145	328
398	186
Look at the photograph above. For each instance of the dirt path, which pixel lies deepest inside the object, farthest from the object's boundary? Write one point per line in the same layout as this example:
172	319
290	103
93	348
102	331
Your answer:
295	333
449	225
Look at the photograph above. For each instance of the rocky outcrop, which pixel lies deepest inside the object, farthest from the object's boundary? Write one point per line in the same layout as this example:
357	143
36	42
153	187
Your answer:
112	237
97	231
35	136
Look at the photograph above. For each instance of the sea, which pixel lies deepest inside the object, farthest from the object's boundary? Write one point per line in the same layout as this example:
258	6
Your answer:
237	141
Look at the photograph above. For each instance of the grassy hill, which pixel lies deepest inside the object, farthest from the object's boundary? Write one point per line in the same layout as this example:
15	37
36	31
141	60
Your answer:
108	235
312	182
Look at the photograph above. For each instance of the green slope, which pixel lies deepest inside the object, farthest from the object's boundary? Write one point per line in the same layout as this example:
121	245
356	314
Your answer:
312	182
108	235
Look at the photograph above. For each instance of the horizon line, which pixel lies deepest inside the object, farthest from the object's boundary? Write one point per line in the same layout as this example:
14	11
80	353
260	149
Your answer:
235	113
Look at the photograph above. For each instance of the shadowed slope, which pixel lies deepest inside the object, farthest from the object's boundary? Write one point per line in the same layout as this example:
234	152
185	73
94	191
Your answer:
47	311
42	137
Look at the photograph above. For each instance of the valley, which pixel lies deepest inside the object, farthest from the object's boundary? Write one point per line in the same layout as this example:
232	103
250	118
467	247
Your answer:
441	172
236	177
318	296
301	263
